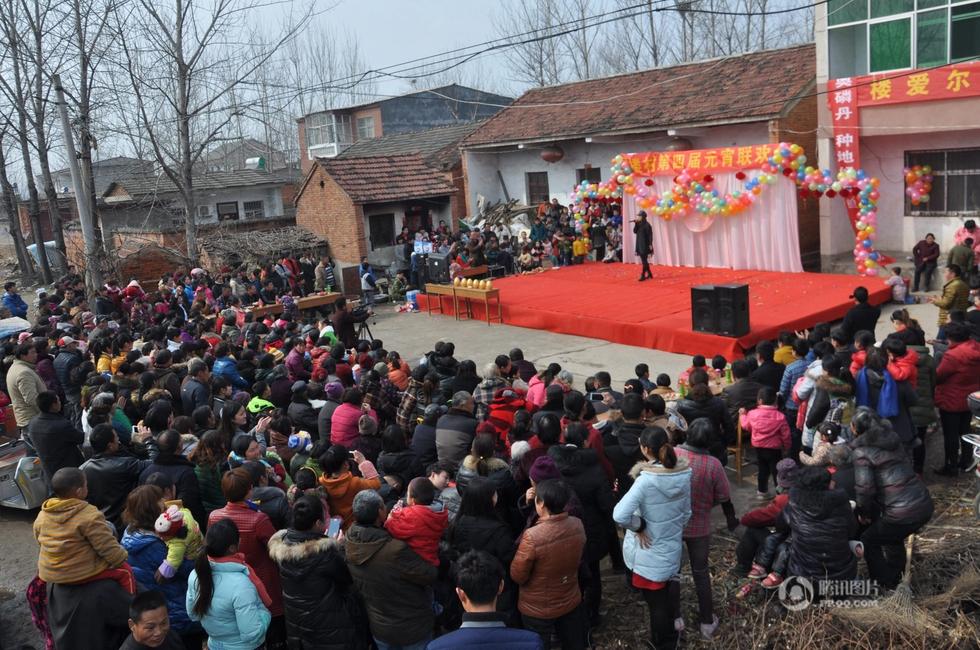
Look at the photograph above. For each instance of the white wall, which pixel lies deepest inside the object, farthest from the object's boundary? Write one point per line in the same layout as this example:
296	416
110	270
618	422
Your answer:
271	196
883	157
482	166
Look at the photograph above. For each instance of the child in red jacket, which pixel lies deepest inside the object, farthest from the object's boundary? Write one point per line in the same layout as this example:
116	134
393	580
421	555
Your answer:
903	364
863	341
771	438
420	523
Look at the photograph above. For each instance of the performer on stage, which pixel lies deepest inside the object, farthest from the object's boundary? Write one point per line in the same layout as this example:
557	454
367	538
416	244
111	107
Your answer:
644	243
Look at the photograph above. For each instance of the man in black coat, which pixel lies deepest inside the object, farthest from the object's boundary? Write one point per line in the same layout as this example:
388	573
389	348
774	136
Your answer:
343	323
644	243
54	438
862	316
111	474
744	393
172	463
67	359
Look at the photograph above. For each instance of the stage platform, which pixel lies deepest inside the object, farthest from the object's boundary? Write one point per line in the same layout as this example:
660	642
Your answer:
605	301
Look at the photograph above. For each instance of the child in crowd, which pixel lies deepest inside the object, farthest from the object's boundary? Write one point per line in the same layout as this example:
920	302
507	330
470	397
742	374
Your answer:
421	522
898	284
642	371
772	555
77	544
718	365
525	261
580	248
827	435
863	341
182	535
770	436
784	353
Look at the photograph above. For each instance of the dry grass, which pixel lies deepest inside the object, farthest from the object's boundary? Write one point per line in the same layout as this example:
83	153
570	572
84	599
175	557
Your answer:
945	584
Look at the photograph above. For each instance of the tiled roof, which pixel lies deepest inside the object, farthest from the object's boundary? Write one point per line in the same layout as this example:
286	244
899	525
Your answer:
386	178
139	186
438	147
757	85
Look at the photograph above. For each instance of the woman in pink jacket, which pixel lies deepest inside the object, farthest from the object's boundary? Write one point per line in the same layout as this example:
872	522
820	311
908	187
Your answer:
770	436
343	422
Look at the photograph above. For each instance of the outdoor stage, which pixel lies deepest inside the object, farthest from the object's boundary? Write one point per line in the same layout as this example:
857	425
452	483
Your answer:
605	301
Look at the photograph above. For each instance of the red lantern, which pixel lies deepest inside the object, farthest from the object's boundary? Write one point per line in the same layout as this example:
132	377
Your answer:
831	194
648	182
804	193
708	178
740	176
787	171
817	193
552	153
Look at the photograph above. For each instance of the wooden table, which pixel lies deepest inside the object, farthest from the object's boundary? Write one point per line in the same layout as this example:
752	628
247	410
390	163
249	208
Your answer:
432	289
474	272
308	302
479	294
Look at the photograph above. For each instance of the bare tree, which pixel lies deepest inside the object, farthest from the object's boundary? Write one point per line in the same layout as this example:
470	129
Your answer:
44	54
16	89
539	60
182	62
8	200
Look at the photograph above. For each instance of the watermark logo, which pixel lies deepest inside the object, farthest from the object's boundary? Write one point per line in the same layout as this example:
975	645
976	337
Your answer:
797	593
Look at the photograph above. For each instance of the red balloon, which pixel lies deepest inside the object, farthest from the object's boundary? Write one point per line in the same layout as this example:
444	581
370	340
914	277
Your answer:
787	171
804	193
648	182
708	178
740	176
831	194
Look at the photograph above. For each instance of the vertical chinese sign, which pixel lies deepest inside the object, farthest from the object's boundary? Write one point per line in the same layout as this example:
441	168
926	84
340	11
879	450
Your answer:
847	96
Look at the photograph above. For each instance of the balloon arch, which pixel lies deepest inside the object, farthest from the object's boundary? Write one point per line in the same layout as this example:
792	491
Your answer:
693	193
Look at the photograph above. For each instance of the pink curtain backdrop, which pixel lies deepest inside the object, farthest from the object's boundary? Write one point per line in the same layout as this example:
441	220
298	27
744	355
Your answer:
763	238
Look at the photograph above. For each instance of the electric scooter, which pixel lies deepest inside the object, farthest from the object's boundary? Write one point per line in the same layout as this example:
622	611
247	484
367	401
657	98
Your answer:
21	481
973	439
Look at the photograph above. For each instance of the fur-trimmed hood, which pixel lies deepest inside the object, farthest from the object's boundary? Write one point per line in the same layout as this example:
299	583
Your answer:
294	546
493	464
834	387
656	468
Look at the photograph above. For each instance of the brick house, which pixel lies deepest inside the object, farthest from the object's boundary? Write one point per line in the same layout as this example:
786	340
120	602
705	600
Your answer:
329	132
755	98
361	199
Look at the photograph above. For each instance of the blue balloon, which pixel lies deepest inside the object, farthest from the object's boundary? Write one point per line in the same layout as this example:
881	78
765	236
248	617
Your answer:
860	174
874	256
866	243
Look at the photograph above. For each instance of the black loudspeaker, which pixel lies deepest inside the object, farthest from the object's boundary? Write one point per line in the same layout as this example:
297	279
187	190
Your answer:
733	309
438	266
704	309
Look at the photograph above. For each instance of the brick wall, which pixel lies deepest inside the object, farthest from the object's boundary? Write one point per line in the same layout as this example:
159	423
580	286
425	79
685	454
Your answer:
799	126
325	209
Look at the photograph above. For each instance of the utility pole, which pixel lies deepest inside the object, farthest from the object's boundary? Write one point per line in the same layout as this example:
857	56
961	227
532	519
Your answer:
93	274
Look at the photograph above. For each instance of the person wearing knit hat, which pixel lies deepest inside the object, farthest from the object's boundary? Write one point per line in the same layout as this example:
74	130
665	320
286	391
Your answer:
544	469
333	390
368	441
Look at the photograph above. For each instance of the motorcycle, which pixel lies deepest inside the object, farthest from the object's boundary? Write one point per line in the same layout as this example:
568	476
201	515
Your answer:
973	439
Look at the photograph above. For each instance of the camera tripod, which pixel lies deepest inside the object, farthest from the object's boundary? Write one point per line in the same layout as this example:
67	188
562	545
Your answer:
364	332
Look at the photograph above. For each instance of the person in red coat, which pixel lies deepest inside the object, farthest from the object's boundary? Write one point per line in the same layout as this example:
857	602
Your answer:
255	530
957	375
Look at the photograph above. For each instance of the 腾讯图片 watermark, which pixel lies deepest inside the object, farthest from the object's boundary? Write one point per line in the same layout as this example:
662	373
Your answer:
797	593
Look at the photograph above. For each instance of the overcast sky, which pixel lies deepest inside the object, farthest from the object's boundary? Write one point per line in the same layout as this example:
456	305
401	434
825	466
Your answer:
401	30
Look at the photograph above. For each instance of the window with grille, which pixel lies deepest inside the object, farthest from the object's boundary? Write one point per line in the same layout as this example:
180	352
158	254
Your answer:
254	209
537	187
590	174
203	211
955	181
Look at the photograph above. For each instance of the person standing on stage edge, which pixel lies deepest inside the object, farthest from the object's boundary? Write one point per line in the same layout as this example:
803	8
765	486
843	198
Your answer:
644	243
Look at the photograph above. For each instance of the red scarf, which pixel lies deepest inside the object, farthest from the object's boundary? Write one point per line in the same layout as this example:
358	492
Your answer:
239	558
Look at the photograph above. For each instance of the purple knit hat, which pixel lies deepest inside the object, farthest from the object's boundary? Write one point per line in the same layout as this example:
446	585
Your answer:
333	390
544	468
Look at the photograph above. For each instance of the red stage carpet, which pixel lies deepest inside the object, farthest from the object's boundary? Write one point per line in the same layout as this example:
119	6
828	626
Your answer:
605	301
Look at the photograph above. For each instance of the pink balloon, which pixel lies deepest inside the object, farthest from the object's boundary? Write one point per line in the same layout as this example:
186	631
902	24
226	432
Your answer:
871	273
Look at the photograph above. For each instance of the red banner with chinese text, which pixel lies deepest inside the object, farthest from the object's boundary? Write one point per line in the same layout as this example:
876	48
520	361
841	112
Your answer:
842	97
948	82
714	160
848	95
